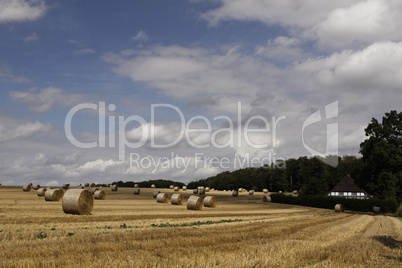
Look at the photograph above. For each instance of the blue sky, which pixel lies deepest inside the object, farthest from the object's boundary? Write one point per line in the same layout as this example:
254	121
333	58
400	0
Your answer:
275	58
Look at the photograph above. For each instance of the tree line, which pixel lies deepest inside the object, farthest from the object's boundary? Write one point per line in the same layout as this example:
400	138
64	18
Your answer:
378	171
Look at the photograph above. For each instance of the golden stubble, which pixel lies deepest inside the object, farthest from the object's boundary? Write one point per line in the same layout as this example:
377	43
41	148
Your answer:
240	232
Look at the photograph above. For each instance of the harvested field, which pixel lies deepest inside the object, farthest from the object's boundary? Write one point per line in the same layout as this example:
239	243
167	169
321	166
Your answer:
127	230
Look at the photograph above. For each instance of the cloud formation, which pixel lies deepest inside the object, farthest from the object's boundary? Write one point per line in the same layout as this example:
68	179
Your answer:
21	10
30	38
140	36
46	99
334	24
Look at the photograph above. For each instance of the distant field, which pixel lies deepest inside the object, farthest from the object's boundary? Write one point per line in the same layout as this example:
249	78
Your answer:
128	230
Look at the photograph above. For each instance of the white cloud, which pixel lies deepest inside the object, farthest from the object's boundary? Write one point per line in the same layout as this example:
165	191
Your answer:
334	24
7	75
140	36
285	41
21	10
188	73
283	49
30	38
98	165
84	51
375	67
289	13
18	130
363	23
46	99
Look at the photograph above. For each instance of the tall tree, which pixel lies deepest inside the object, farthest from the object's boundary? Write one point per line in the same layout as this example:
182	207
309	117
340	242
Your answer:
382	155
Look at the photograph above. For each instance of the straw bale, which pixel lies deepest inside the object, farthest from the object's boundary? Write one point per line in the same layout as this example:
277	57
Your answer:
26	188
194	203
266	198
53	194
210	201
162	198
93	190
41	191
36	186
78	201
176	199
99	194
339	208
155	194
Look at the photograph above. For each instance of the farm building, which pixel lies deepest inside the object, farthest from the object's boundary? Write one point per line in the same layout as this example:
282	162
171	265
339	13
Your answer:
348	189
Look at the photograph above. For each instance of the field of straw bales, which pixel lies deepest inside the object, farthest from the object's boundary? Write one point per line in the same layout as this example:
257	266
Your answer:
127	230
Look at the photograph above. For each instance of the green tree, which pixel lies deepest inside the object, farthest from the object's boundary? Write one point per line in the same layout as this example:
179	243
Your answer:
314	186
382	156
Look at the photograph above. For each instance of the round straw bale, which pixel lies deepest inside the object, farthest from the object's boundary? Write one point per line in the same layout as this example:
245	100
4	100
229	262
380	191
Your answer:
93	190
339	208
162	198
280	192
36	186
99	194
53	194
155	194
265	191
376	210
66	186
210	201
137	191
184	188
176	188
235	193
41	191
78	201
295	192
136	185
86	184
195	191
171	186
207	189
92	185
26	188
176	199
266	198
107	185
201	192
79	185
153	186
194	203
30	184
251	192
115	188
240	190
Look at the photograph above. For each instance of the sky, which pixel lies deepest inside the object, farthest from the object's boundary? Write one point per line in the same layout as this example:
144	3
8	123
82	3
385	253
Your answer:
102	91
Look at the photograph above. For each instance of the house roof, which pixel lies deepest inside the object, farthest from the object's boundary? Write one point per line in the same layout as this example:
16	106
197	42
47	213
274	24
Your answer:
347	185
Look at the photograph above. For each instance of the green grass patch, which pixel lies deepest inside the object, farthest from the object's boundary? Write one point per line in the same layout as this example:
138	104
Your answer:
197	223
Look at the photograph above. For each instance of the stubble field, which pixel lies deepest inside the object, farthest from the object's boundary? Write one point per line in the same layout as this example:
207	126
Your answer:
128	230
